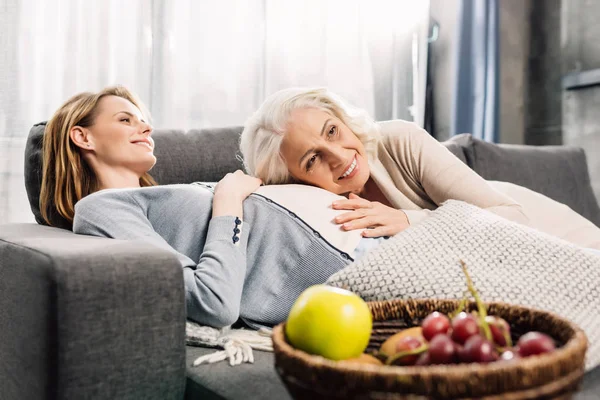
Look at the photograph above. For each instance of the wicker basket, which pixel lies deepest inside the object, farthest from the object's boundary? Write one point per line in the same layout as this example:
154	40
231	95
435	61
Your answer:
553	376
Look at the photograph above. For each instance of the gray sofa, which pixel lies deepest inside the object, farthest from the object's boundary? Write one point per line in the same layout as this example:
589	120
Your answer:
85	317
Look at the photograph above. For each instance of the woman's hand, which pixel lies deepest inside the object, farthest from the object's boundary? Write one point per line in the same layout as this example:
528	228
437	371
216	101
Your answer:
231	191
384	220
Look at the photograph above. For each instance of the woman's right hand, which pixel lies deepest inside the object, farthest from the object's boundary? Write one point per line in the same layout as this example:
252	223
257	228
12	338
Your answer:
374	218
231	191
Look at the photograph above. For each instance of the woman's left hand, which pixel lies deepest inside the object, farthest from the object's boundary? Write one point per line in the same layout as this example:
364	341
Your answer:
384	220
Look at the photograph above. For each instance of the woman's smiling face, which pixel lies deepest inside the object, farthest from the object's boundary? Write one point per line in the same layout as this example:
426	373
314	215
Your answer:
320	150
120	137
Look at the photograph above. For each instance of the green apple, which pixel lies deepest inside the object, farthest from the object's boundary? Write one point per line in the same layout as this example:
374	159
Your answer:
330	322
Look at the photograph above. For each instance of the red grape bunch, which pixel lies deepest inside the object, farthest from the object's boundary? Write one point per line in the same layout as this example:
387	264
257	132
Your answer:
462	338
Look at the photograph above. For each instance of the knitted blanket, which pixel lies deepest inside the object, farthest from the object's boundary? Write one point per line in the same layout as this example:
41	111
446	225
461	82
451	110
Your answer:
507	261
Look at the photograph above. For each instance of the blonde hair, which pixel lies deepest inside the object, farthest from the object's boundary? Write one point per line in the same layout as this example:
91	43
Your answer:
264	131
66	176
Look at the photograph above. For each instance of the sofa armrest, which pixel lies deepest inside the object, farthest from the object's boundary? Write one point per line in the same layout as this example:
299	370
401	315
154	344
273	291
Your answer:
87	317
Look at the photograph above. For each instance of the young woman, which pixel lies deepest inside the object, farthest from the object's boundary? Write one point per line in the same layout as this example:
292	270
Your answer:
98	149
393	172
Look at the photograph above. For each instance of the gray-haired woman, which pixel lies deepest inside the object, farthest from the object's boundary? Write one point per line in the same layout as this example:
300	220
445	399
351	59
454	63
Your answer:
393	172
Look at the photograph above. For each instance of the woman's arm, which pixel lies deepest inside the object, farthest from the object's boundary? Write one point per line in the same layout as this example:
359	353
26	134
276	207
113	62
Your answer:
442	175
231	191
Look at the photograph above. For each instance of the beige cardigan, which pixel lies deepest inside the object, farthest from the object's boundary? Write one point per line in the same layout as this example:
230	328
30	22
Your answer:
416	173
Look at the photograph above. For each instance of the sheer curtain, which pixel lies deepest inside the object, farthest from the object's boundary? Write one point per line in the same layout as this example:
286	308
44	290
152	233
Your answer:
197	63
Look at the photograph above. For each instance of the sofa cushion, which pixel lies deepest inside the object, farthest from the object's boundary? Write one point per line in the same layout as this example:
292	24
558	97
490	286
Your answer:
457	145
33	175
204	155
222	381
464	141
559	172
199	155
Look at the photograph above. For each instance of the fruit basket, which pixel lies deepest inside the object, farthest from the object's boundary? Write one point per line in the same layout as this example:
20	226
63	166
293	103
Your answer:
546	376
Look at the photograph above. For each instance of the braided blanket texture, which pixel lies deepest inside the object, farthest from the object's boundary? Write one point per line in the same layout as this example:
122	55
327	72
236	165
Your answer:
508	262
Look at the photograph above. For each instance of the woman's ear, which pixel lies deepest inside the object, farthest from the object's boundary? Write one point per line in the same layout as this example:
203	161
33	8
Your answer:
80	137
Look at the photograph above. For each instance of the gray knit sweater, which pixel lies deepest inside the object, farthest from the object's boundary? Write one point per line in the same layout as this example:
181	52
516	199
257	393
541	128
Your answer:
256	277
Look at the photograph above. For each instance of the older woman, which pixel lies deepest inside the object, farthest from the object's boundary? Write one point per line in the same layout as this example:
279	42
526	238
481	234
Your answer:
393	172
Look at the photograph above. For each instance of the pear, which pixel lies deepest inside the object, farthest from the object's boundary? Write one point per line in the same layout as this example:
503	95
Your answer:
388	348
